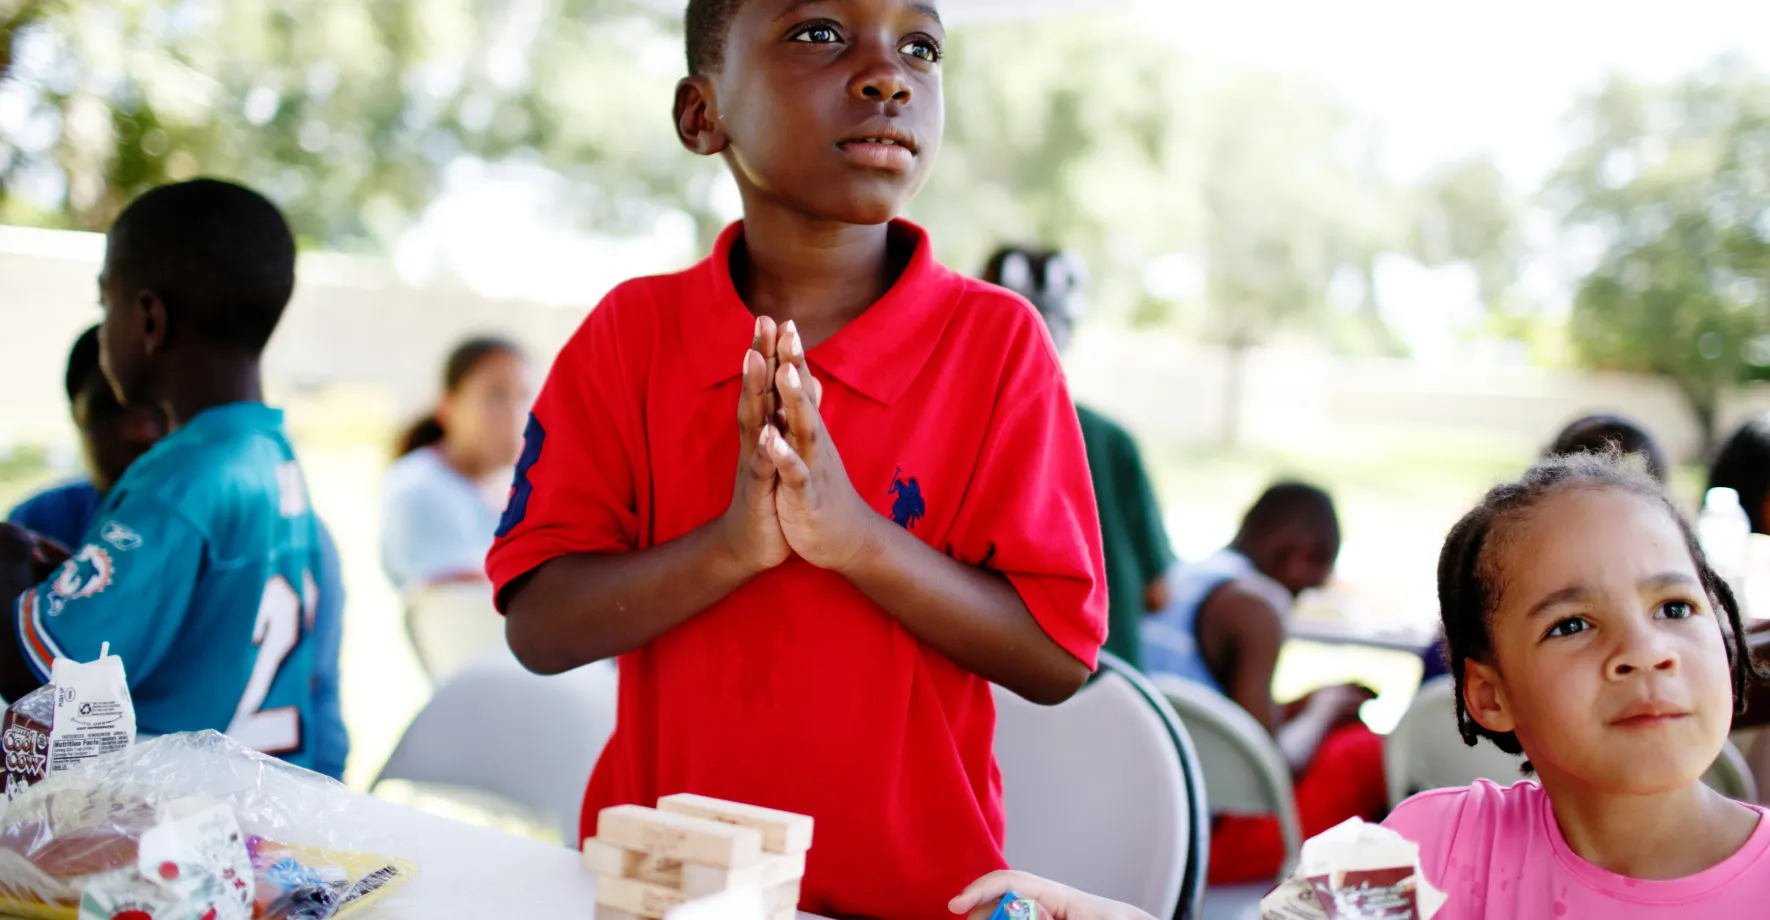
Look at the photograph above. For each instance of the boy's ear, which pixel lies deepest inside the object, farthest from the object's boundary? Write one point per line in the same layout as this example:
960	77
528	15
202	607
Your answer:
151	314
1484	696
697	123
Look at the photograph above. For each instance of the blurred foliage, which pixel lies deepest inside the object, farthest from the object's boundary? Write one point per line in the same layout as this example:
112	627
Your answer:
348	112
1673	184
1124	150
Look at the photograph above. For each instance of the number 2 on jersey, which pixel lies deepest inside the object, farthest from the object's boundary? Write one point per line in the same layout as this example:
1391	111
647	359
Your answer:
276	633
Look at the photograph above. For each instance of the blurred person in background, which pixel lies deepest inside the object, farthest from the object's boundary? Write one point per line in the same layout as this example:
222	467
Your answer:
1743	465
1596	434
1135	542
111	437
447	488
1591	434
1223	629
202	567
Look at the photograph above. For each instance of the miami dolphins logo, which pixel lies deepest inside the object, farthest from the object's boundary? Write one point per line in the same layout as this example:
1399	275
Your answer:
909	507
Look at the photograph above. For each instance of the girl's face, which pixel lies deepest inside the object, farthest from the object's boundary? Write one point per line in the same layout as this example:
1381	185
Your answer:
1609	661
484	416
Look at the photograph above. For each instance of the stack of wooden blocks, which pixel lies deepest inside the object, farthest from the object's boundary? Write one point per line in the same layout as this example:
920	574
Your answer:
650	861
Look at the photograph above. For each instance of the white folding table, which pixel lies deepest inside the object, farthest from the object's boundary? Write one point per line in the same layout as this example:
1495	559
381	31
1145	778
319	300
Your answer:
473	873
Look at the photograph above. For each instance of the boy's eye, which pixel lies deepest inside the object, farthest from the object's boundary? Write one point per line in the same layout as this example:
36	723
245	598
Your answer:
817	35
1567	627
922	48
1677	610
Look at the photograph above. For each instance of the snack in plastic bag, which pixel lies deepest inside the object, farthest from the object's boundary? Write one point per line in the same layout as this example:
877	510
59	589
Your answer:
188	827
1355	871
83	712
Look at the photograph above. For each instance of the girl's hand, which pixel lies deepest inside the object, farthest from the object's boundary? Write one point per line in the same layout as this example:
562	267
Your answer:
1059	902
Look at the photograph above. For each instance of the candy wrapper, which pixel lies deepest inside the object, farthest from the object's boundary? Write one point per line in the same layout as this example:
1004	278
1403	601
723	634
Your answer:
1015	907
83	712
1355	871
188	827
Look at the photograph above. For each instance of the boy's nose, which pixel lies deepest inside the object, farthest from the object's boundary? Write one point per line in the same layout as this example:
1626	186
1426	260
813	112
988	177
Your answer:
881	82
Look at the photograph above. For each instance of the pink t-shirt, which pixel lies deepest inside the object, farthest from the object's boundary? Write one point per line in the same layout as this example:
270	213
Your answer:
1499	854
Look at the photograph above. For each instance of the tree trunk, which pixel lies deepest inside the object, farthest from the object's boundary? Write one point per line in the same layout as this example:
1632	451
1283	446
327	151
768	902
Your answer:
1705	405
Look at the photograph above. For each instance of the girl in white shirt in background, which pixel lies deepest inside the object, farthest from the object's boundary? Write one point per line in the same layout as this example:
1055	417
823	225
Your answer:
445	493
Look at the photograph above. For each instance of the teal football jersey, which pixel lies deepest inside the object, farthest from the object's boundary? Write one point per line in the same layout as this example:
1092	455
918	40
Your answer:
200	570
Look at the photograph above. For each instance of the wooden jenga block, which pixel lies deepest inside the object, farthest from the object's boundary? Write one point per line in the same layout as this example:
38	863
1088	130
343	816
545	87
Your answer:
678	836
773	871
606	859
605	912
782	831
639	898
782	897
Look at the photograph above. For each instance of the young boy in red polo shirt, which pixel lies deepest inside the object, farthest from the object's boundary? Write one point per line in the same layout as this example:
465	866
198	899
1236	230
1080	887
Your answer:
911	517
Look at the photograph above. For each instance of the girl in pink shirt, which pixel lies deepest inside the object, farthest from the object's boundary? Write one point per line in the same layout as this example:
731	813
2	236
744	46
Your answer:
1586	630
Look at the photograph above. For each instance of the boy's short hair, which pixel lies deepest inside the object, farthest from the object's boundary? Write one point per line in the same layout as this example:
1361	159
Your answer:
82	363
1743	465
219	255
1595	434
706	24
1287	504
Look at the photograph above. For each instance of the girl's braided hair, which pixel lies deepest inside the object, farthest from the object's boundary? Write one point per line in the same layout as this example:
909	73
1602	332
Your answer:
1470	580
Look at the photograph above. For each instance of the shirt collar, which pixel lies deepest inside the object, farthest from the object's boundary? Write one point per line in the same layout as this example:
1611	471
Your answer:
239	416
879	354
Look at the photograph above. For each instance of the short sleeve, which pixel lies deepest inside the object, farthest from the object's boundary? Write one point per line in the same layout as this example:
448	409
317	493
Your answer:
1029	512
1143	514
574	490
1432	820
425	537
130	584
331	741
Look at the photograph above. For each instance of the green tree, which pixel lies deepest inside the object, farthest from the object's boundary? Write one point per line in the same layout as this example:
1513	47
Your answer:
1465	212
348	112
1114	144
1674	182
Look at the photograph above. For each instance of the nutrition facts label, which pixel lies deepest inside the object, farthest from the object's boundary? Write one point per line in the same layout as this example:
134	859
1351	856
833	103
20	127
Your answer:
93	713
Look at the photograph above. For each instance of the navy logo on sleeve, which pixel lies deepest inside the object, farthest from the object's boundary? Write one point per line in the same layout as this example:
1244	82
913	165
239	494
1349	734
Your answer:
909	507
517	508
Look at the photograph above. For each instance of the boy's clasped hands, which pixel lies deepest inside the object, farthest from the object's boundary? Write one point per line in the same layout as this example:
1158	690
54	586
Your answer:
792	493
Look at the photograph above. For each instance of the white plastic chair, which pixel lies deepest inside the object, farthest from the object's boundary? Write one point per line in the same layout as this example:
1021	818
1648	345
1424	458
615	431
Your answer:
1426	752
499	730
451	626
1244	773
1095	791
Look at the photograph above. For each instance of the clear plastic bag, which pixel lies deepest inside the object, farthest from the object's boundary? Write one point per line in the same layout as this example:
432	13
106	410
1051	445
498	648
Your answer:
168	830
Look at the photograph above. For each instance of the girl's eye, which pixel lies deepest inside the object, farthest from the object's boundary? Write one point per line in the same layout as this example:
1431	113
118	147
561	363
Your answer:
1568	627
1677	610
817	35
922	48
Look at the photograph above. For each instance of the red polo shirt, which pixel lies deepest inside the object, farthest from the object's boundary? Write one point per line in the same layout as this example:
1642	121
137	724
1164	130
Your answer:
948	406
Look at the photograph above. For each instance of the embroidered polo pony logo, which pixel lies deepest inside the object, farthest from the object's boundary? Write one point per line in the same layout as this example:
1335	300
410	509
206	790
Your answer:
909	507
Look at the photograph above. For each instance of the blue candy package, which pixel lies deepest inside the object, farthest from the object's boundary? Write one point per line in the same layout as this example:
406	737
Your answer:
1015	907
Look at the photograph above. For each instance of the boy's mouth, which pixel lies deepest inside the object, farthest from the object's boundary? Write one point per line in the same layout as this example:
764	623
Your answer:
886	150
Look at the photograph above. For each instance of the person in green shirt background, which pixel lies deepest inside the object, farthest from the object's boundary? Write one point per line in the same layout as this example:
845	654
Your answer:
1135	542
